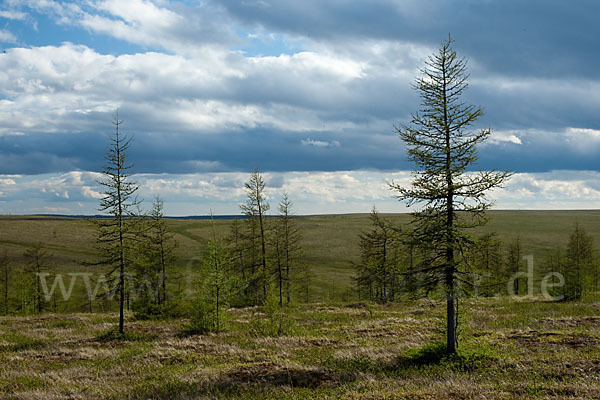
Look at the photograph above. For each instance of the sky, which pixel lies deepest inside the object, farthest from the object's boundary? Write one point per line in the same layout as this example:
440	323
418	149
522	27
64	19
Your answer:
308	92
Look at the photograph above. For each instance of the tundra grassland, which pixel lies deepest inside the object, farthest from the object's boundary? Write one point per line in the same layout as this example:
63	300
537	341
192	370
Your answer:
334	347
528	349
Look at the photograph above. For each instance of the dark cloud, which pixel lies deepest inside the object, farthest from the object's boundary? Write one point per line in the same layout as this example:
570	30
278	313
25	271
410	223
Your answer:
278	151
533	38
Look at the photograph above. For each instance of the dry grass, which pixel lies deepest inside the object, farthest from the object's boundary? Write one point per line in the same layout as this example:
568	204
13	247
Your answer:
519	350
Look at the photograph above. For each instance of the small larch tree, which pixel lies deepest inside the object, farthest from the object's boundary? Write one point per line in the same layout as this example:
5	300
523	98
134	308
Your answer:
442	144
116	234
579	262
379	250
162	245
514	261
217	287
4	278
38	262
255	210
291	243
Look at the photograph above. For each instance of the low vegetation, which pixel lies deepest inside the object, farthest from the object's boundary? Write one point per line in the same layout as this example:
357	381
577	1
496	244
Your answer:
529	349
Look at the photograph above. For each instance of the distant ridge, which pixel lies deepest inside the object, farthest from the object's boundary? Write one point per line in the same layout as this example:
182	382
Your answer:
192	217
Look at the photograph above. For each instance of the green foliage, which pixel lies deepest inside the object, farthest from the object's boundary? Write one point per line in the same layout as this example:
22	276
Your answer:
37	262
25	291
290	269
5	272
381	251
174	308
203	318
579	263
152	257
216	288
487	265
255	210
276	321
436	353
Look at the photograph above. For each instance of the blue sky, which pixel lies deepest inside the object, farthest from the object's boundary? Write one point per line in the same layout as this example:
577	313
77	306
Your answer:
308	92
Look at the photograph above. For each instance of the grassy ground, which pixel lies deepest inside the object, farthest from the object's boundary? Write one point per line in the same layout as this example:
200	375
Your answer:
330	243
509	350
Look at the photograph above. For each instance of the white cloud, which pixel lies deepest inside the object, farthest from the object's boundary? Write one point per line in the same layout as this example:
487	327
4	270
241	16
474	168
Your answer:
15	15
155	24
311	192
89	193
7	37
319	143
505	136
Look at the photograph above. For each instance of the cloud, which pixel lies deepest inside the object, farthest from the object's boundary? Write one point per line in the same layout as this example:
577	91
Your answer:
151	24
77	192
509	36
14	15
7	37
319	143
505	136
195	100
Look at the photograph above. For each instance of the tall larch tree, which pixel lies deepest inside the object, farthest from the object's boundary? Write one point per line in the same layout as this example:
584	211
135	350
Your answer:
116	234
442	144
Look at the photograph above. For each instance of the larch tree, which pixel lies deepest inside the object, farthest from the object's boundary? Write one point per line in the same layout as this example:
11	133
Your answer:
4	277
37	258
579	261
379	249
277	245
513	260
162	245
291	242
235	241
442	144
116	234
488	262
255	210
217	287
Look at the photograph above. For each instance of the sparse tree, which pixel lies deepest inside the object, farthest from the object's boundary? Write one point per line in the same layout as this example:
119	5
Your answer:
162	246
25	290
37	258
236	244
305	275
277	243
490	264
4	277
380	249
579	261
217	287
117	234
442	145
555	264
514	261
291	243
255	210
